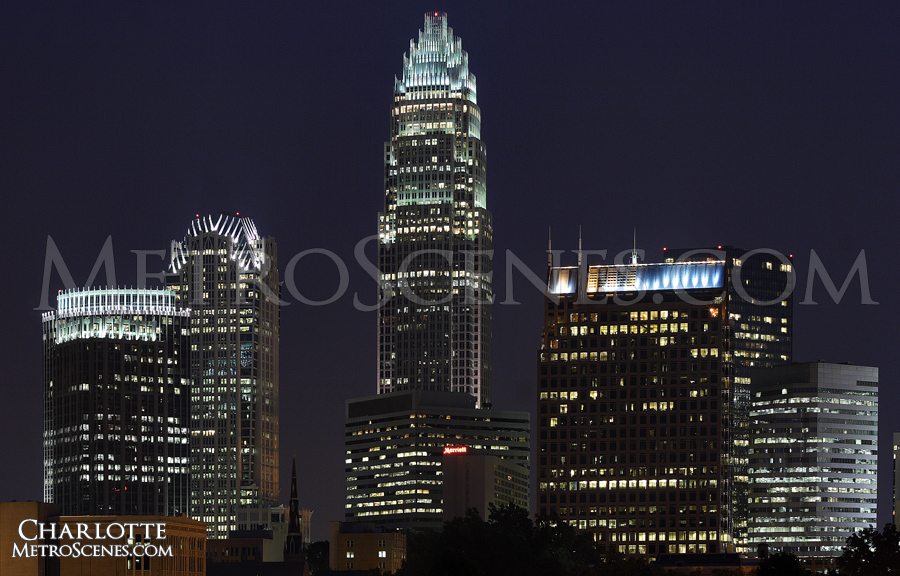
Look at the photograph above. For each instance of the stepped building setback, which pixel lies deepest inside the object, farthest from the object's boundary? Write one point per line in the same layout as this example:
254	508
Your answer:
434	323
434	330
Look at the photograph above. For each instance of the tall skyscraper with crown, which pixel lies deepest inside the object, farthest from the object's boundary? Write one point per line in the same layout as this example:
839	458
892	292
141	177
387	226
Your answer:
434	323
227	274
434	326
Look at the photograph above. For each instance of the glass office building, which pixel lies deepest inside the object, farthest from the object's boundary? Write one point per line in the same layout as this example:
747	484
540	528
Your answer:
395	445
117	403
434	327
813	456
227	273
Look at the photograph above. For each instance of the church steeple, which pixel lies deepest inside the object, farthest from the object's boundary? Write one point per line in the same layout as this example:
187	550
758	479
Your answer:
294	542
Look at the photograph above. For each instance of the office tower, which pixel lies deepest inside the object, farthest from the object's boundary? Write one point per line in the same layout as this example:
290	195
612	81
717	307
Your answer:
813	456
473	480
896	510
635	406
434	327
227	274
760	310
116	403
394	449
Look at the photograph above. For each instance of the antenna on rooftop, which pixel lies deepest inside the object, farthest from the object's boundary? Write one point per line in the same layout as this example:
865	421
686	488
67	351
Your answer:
549	247
579	245
634	254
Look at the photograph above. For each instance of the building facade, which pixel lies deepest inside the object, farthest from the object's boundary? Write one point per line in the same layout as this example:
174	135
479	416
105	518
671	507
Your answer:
636	401
117	402
184	537
434	324
651	362
227	274
896	510
813	456
478	481
394	449
360	546
759	286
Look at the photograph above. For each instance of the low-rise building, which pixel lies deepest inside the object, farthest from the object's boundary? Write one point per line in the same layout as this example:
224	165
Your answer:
362	546
36	541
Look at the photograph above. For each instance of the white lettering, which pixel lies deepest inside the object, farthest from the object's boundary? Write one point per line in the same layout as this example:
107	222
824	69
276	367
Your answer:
22	534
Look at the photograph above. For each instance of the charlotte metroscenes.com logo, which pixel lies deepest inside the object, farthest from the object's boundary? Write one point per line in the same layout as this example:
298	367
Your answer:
91	539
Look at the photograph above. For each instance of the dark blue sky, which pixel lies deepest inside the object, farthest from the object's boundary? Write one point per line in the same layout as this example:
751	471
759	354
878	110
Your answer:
759	125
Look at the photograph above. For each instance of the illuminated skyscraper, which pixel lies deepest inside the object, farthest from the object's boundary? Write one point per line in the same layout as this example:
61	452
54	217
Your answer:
435	326
896	510
813	457
644	385
227	274
116	403
635	405
761	311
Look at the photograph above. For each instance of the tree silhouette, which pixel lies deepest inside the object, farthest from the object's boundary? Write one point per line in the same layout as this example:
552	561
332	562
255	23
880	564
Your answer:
510	544
871	553
781	564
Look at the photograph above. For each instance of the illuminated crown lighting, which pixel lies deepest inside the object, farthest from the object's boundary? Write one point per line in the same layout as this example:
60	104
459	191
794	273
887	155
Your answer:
657	277
437	62
246	248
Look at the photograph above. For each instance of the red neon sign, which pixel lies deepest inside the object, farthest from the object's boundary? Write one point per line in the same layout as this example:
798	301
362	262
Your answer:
455	450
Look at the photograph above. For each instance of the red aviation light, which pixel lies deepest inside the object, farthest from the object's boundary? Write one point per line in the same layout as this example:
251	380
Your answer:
455	449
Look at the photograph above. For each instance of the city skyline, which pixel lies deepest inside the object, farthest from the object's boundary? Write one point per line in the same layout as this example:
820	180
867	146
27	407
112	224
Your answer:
782	119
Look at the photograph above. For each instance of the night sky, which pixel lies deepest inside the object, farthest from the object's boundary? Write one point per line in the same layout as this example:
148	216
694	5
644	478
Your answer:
766	125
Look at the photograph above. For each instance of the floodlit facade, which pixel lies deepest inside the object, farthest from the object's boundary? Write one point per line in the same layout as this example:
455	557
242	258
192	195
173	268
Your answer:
636	397
434	329
117	402
759	296
227	273
394	449
813	456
